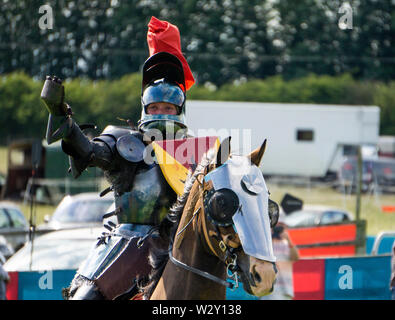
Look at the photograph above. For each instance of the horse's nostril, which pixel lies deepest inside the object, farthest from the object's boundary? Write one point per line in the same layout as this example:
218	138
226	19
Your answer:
252	282
255	276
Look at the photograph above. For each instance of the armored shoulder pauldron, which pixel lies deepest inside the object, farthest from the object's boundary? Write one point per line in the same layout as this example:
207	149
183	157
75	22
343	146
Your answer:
128	143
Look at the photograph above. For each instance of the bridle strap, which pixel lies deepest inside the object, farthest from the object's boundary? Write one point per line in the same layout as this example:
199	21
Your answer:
207	237
195	270
221	247
199	272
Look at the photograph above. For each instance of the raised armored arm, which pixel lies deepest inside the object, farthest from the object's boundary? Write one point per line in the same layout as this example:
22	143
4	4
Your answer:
83	152
115	150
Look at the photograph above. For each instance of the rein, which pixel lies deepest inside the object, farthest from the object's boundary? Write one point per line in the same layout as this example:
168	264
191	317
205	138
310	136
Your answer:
200	272
230	259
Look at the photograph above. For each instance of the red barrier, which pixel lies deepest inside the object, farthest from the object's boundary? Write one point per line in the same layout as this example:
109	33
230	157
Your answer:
323	234
325	241
309	279
12	286
388	209
328	251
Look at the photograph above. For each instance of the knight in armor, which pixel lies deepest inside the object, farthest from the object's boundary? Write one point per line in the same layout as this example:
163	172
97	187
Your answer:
142	195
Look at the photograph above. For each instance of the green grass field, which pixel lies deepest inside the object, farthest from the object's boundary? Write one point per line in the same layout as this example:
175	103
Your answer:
371	204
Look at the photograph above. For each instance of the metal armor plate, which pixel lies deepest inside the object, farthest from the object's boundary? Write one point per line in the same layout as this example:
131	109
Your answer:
115	262
149	200
130	148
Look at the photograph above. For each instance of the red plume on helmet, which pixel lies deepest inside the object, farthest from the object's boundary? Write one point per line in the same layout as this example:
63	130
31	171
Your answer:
164	36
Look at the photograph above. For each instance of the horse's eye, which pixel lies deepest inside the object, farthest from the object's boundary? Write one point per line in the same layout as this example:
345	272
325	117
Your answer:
221	206
274	213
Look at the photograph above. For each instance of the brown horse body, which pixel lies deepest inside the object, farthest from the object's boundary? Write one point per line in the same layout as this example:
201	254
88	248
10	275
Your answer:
177	283
200	244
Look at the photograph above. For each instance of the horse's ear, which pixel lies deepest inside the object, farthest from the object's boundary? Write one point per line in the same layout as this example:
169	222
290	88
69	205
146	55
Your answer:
256	155
223	152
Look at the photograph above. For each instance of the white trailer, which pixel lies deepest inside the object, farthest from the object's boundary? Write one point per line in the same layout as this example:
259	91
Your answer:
302	139
386	146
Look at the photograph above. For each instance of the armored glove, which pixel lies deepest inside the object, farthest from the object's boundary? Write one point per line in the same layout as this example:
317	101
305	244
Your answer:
62	126
100	151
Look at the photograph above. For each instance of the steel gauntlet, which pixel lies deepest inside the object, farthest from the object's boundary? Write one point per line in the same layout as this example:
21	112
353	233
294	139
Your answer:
62	126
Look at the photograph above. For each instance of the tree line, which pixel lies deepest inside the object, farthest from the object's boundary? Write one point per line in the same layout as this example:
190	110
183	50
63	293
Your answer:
105	102
223	40
244	50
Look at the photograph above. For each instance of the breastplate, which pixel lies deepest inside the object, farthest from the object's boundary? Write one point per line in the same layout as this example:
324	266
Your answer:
148	201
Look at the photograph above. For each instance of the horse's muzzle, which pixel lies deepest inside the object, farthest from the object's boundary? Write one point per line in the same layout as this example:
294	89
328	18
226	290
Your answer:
260	278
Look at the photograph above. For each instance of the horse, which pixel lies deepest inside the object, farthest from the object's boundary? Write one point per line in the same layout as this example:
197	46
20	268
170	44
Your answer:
212	236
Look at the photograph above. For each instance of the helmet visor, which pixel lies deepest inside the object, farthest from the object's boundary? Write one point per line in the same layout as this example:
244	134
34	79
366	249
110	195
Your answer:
163	92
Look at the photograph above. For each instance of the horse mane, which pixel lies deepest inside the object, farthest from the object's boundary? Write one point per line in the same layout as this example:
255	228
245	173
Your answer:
159	252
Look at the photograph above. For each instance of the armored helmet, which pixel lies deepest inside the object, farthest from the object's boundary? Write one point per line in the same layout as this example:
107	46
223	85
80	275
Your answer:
163	81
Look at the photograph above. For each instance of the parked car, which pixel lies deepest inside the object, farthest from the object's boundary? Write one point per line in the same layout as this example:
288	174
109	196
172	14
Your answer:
63	249
6	250
76	211
2	182
384	173
313	215
13	224
376	173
